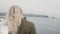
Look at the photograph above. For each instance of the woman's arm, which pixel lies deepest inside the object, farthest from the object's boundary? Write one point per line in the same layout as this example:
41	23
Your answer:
33	30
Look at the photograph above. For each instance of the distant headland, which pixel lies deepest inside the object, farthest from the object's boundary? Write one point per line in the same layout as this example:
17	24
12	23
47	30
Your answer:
28	15
33	15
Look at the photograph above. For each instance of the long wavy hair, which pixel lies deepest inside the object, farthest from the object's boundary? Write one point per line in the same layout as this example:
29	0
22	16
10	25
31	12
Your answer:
13	18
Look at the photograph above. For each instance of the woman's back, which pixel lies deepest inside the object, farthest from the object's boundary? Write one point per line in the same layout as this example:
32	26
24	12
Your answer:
27	27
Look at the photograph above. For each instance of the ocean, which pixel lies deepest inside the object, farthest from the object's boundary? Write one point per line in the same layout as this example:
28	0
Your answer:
43	25
46	25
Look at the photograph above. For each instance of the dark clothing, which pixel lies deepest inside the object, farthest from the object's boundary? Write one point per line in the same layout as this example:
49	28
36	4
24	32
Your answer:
26	28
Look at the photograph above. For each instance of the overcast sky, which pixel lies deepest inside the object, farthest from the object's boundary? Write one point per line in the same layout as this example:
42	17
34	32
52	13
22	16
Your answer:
42	7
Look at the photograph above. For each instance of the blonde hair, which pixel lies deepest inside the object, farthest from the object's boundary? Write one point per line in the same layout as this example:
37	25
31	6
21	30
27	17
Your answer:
13	18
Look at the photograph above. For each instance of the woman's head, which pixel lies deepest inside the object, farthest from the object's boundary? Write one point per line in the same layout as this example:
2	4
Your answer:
13	18
15	12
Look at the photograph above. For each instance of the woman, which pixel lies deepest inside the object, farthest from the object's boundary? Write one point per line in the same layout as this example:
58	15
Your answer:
16	22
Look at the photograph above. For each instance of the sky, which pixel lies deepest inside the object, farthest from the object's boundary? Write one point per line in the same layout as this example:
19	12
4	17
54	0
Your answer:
41	7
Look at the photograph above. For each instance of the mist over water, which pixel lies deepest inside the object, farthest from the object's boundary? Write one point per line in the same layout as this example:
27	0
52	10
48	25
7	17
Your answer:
46	25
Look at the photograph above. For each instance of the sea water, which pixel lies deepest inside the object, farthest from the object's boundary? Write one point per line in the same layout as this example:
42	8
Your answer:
46	25
3	27
42	25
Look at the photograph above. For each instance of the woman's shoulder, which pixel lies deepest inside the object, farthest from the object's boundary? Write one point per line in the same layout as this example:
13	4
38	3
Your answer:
27	23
